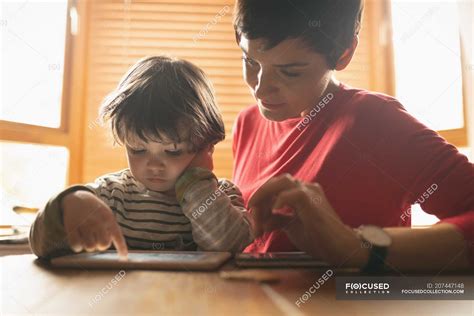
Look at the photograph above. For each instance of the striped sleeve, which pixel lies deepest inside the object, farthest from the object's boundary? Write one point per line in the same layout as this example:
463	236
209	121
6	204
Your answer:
47	237
216	211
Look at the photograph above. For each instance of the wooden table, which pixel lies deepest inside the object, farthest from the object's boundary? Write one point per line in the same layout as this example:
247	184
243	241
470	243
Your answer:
14	249
30	286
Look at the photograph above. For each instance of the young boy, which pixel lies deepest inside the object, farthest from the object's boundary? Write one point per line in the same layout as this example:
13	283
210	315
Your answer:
164	112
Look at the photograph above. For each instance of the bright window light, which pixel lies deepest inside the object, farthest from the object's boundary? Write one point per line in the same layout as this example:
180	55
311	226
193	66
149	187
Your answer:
428	66
30	175
428	61
32	39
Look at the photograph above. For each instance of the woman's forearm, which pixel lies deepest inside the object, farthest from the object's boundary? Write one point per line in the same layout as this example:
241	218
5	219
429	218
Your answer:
437	248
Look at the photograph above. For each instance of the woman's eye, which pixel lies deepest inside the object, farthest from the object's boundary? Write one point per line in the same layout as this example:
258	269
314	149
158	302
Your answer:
174	153
249	62
290	74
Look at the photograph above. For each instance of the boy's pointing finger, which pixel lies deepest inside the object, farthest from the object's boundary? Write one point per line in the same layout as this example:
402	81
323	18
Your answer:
119	242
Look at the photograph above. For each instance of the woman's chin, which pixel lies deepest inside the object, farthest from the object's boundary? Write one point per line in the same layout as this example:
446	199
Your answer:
276	115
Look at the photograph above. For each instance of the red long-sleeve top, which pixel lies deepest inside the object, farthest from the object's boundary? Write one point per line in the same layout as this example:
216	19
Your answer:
371	157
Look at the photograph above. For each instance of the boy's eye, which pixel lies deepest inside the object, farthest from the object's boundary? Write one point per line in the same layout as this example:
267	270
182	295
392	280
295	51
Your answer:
174	153
136	151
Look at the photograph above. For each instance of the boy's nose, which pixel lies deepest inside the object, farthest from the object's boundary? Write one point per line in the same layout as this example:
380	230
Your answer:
156	164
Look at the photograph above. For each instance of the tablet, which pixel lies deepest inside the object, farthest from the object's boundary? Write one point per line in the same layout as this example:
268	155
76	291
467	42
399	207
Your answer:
154	260
278	260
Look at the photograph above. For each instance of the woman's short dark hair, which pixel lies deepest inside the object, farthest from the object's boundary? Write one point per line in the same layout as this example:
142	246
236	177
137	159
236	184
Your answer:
159	98
326	26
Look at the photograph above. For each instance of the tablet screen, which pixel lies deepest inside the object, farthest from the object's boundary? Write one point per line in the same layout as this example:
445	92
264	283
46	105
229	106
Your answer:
165	260
150	256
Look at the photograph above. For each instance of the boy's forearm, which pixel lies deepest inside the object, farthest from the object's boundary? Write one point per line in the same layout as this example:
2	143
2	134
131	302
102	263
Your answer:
47	236
217	223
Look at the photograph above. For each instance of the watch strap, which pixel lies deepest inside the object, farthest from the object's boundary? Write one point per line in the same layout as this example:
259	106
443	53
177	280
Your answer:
376	262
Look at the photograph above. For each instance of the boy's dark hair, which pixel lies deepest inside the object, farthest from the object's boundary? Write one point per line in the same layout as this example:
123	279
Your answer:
160	96
326	26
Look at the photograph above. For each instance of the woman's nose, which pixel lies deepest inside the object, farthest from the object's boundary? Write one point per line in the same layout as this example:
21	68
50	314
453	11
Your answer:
265	85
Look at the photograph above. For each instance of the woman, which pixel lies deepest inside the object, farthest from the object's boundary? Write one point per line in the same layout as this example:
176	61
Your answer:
324	166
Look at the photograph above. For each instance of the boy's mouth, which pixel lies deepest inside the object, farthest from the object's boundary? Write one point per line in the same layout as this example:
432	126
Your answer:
156	180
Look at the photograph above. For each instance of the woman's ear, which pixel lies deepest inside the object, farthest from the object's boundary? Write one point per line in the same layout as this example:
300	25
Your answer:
237	37
346	57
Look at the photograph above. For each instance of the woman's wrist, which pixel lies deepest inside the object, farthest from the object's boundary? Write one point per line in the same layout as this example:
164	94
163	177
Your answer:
358	252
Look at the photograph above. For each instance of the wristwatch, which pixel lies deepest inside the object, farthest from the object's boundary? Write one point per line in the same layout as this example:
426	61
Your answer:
378	240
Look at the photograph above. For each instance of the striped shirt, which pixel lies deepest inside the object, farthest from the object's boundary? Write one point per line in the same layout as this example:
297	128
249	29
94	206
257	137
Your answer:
207	214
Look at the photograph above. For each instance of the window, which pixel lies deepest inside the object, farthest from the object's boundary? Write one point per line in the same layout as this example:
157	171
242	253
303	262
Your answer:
30	175
429	71
35	129
33	62
428	65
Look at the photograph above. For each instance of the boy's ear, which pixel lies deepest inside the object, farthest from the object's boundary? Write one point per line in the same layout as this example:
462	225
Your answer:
346	58
211	149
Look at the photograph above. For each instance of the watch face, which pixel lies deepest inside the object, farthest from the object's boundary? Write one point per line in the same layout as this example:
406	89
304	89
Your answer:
375	235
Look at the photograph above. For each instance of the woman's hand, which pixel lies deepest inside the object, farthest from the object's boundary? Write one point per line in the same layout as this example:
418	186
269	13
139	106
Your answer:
203	158
314	227
90	224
